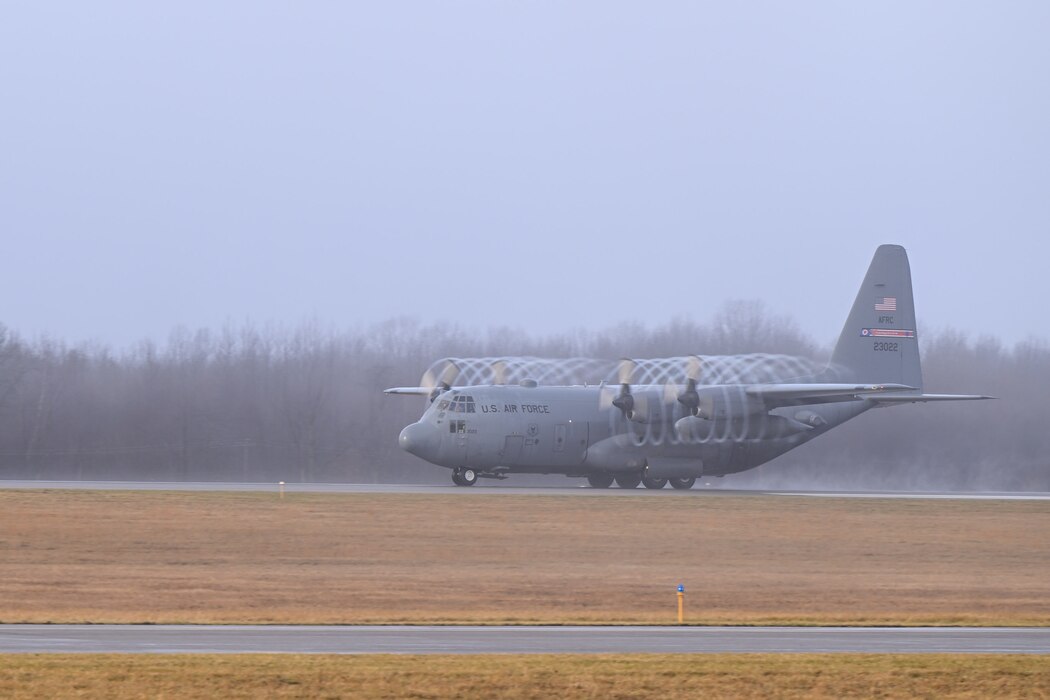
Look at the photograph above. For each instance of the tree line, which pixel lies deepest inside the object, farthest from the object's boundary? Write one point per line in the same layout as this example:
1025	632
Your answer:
305	403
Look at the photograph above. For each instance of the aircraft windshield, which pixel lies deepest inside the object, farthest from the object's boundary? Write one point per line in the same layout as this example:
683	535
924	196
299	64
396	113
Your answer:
457	404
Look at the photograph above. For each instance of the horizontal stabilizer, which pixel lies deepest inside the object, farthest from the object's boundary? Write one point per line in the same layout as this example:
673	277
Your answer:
923	398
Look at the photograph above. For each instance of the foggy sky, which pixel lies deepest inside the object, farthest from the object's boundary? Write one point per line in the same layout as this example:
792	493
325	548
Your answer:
541	165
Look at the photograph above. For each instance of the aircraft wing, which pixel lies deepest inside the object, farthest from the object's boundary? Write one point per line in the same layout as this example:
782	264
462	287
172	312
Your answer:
409	390
801	394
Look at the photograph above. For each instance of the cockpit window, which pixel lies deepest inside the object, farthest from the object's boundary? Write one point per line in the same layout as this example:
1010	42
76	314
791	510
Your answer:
443	404
462	404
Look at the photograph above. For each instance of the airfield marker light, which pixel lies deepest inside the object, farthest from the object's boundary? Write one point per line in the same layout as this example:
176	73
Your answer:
681	603
281	484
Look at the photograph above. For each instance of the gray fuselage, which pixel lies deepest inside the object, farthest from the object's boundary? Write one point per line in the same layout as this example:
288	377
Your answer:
659	433
565	430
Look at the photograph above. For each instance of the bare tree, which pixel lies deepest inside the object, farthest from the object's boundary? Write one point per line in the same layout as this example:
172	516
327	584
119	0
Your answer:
305	403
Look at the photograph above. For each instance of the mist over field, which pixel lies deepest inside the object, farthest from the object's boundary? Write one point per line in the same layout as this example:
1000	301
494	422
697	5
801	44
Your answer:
545	166
305	403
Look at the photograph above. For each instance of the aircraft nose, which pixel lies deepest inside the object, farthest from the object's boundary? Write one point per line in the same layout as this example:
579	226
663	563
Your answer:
419	439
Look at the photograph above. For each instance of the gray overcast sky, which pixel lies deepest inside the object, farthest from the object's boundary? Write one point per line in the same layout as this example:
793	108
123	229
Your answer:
545	165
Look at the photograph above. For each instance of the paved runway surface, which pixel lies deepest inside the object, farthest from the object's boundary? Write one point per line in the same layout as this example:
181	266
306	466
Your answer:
485	488
175	639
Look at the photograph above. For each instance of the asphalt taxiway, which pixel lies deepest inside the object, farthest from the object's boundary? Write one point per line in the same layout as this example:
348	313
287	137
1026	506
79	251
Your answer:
497	488
231	639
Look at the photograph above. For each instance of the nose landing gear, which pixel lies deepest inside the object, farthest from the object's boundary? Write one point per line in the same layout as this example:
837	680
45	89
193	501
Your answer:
464	476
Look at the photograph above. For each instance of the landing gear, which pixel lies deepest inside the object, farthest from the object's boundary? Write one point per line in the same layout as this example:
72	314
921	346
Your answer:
464	476
628	481
683	483
651	483
600	481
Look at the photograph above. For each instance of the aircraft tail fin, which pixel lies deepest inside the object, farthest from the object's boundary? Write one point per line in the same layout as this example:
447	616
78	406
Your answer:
879	343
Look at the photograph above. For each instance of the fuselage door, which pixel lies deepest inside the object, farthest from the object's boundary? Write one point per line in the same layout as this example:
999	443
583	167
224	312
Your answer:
559	437
512	445
461	424
570	443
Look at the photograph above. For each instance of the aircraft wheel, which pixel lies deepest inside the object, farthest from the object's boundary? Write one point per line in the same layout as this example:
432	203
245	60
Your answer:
600	481
464	476
650	483
683	484
628	481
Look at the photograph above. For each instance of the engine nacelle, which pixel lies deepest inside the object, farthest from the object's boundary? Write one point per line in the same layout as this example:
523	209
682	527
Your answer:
639	415
645	408
810	418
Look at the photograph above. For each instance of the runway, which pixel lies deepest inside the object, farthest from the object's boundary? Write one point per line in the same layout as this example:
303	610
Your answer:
222	639
498	488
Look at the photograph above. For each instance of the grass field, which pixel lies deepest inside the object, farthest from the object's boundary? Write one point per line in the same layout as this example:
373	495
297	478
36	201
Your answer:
637	676
83	556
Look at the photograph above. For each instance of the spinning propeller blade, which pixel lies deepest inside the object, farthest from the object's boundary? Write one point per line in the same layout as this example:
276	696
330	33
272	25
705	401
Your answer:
440	382
499	372
690	398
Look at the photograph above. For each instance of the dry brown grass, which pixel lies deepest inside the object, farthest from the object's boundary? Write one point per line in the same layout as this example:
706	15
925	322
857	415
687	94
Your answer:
637	676
354	558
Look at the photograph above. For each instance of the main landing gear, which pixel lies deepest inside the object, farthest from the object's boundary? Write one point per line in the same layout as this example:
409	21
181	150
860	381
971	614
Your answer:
630	481
651	483
600	481
464	476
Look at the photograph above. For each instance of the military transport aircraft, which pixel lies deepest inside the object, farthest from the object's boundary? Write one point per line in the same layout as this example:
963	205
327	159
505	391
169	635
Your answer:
675	432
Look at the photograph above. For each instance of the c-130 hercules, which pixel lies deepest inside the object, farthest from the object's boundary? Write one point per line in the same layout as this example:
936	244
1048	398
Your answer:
675	432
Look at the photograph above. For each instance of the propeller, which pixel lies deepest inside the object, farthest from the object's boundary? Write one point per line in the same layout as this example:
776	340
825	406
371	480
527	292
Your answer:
690	397
440	382
499	372
624	400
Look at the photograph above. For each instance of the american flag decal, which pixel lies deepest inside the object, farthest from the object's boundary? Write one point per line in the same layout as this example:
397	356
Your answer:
886	304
